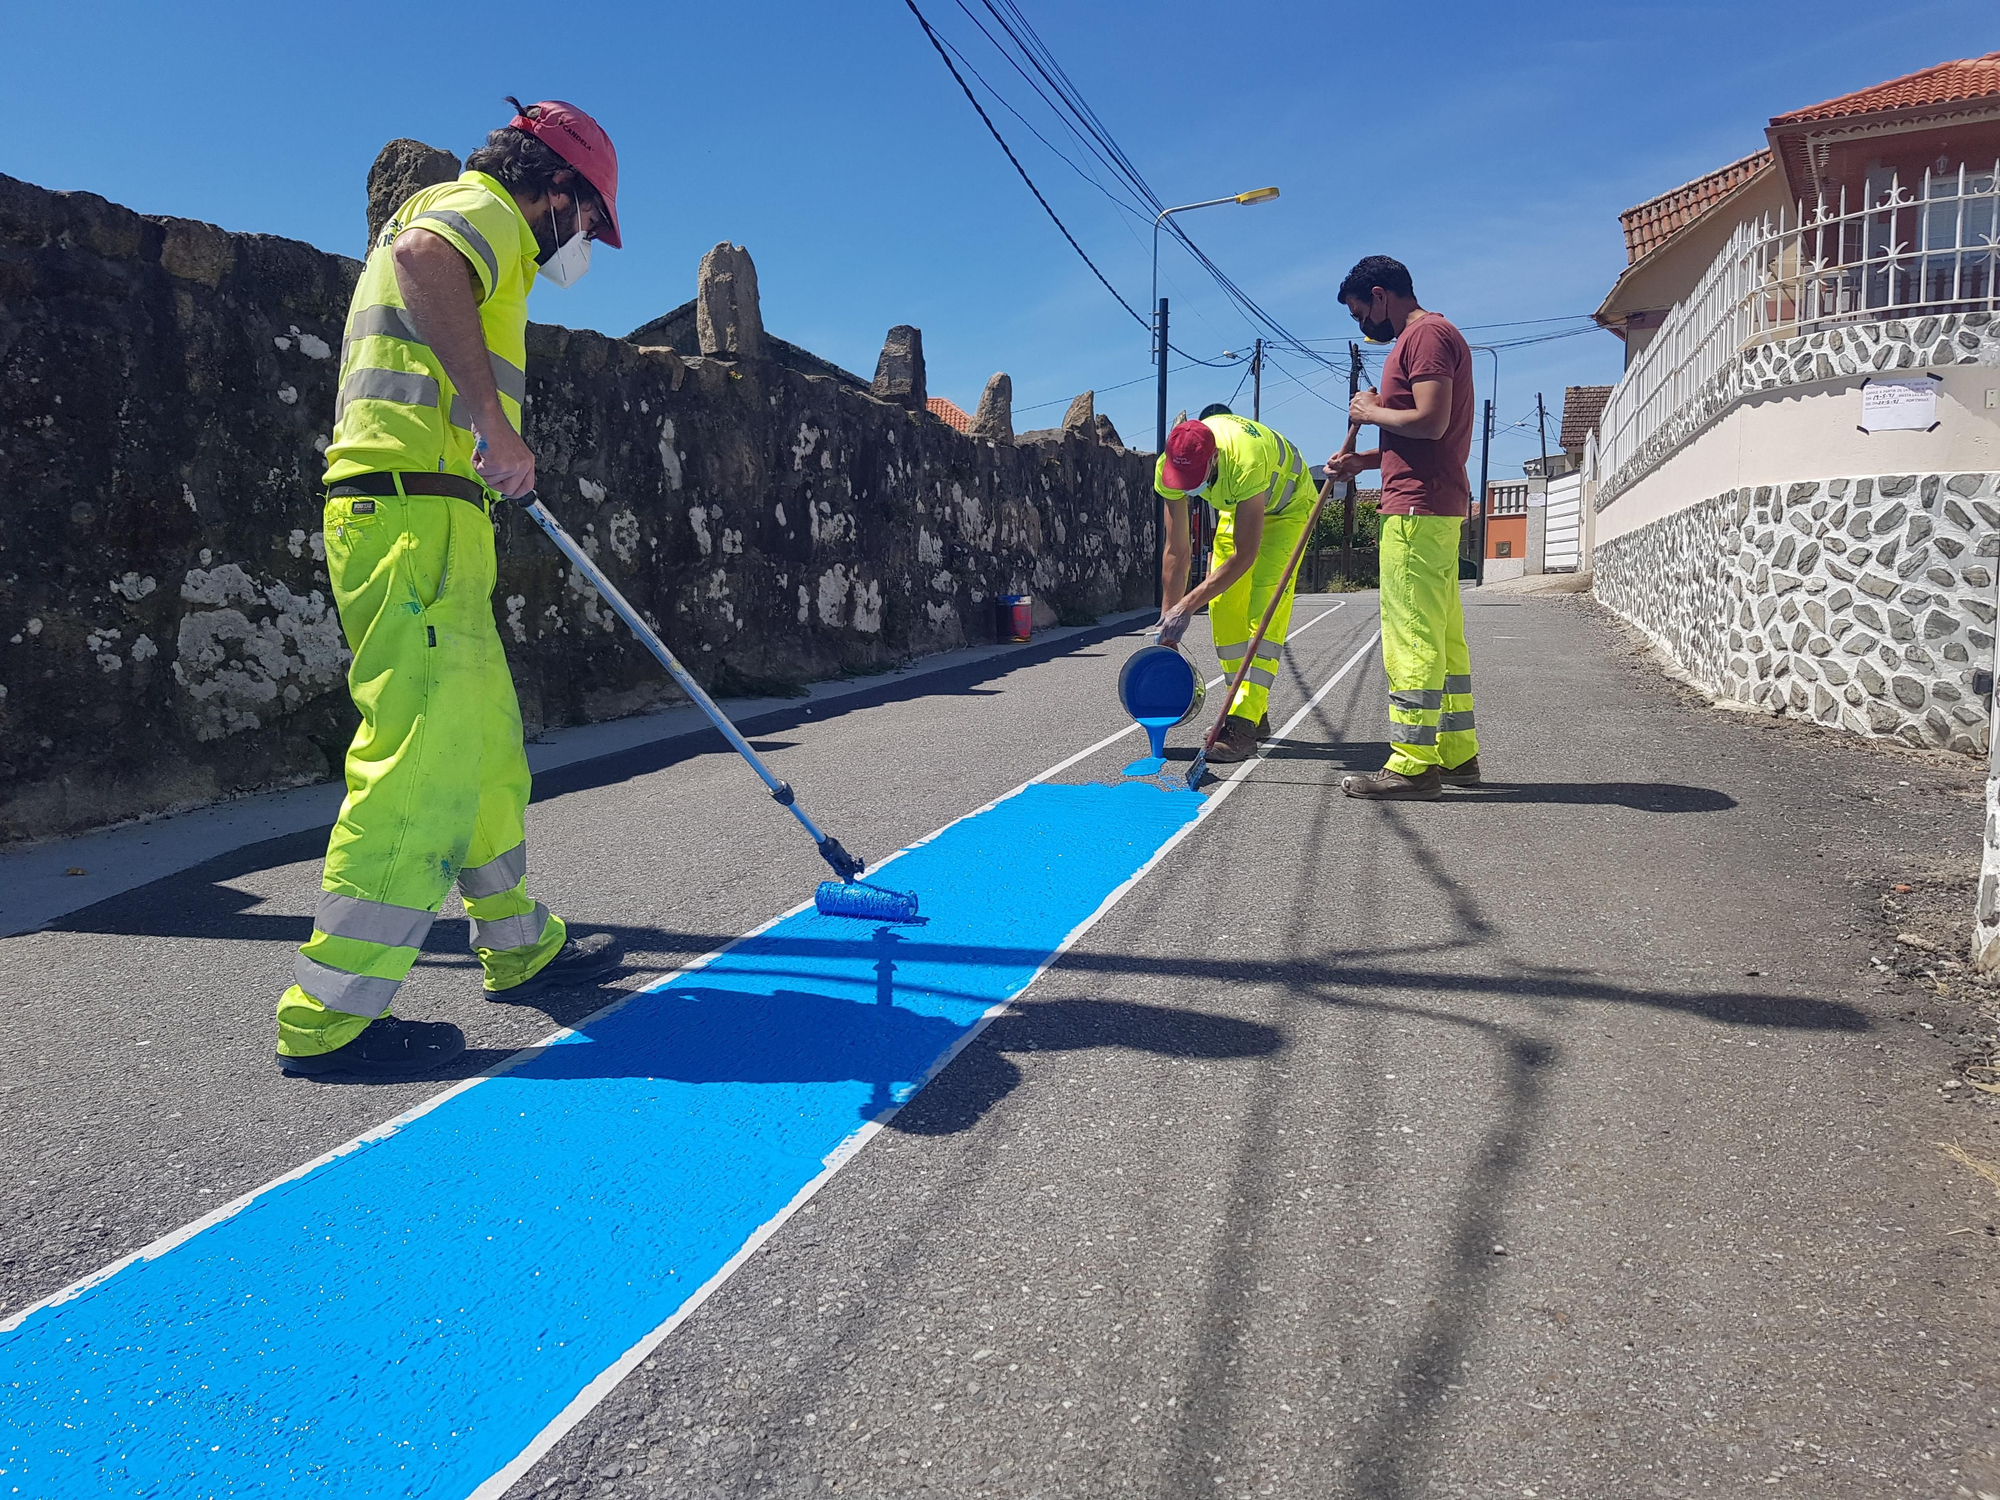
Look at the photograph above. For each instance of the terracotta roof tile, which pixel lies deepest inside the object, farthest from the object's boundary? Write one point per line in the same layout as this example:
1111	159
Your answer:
950	412
1946	83
1583	405
1651	224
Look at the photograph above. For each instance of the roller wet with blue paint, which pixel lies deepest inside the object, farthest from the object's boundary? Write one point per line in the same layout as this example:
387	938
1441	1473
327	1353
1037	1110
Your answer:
849	896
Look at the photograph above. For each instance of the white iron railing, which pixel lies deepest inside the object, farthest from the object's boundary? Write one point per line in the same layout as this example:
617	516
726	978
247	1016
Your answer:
1903	253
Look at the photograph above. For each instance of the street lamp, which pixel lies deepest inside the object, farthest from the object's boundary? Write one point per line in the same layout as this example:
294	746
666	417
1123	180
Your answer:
1254	195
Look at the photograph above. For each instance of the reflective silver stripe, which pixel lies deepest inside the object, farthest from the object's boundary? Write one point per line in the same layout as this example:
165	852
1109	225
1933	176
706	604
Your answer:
403	386
1262	678
1458	684
385	322
1291	484
371	921
502	933
461	414
1412	734
1416	699
336	989
472	237
1458	719
497	875
382	322
511	379
1234	648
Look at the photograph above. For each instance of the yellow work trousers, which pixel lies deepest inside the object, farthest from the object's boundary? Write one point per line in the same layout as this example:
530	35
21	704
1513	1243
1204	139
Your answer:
437	777
1423	645
1233	614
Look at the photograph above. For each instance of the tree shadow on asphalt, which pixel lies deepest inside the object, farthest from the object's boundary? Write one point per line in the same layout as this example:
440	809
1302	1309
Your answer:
1391	1451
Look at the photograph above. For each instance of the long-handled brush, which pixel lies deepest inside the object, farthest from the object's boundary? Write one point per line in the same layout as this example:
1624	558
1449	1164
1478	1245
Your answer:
1200	766
847	896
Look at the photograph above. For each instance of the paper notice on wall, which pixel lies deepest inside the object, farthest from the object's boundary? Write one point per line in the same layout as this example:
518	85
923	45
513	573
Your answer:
1899	405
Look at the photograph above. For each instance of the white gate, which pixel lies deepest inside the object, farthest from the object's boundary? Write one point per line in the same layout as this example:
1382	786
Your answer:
1562	541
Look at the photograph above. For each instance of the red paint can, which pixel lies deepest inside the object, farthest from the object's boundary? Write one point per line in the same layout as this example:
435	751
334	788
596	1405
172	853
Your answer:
1017	617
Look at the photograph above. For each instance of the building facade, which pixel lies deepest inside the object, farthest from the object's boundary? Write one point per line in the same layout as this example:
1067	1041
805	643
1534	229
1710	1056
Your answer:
1795	488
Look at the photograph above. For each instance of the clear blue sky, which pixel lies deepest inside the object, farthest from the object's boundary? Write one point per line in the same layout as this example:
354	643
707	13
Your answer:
1489	147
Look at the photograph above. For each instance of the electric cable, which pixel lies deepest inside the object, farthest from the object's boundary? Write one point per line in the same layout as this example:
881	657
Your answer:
994	130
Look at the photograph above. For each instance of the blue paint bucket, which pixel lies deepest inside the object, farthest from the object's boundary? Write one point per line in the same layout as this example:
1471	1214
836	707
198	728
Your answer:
1160	688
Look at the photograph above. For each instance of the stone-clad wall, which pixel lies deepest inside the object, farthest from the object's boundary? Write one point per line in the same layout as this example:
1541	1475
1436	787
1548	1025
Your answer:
166	632
1863	603
1898	344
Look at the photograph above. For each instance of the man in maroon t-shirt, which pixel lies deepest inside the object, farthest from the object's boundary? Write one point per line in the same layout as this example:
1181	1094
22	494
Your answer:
1424	414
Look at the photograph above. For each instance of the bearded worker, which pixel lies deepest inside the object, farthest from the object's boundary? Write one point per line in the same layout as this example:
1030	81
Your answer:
1262	494
426	441
1424	414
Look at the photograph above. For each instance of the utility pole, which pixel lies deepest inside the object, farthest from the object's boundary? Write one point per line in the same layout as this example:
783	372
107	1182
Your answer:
1257	383
1347	528
1542	426
1485	505
1160	446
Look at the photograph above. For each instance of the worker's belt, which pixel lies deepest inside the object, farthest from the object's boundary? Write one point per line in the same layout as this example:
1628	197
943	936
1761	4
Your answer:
413	483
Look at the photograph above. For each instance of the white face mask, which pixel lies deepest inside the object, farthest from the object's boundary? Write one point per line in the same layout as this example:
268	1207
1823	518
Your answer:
571	260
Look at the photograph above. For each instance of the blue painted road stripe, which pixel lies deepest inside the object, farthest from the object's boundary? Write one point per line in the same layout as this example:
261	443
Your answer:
403	1318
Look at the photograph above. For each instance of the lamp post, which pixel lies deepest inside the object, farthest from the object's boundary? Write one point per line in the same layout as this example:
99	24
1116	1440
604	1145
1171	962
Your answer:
1254	195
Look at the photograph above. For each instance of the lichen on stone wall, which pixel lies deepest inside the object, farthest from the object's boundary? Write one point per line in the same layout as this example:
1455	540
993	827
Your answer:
258	653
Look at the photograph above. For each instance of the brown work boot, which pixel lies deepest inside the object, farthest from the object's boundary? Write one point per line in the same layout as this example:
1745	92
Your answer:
1465	773
1393	786
1264	726
1238	741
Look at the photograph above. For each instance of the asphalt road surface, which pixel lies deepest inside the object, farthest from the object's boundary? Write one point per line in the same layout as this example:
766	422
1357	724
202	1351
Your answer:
1554	1139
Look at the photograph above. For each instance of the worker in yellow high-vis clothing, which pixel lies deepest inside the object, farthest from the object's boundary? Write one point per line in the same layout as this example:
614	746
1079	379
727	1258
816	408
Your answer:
426	438
1424	414
1262	494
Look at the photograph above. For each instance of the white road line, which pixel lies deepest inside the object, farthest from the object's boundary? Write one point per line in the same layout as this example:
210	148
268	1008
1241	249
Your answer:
1111	739
602	1386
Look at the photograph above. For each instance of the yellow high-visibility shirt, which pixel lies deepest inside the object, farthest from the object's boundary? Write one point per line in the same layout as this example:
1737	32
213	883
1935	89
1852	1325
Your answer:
1250	459
397	408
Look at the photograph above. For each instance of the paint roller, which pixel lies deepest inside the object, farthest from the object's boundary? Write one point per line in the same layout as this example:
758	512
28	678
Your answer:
847	896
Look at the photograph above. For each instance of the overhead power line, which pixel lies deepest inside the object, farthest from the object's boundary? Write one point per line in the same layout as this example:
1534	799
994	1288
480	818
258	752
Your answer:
1052	85
1141	380
994	130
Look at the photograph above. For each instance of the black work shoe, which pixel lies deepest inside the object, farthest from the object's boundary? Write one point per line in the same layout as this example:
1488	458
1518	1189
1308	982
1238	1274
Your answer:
1393	786
580	961
1264	727
1465	773
1238	741
390	1048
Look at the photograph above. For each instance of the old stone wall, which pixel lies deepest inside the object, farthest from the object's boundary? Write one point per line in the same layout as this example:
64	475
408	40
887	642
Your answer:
1862	603
166	632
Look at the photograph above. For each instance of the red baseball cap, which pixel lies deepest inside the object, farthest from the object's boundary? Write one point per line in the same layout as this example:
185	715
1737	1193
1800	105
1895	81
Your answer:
1190	450
580	141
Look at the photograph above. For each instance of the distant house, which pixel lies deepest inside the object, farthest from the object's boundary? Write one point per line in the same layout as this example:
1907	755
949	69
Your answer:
1795	487
950	413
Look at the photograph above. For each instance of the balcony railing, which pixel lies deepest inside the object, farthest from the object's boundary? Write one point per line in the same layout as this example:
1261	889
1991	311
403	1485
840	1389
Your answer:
1906	251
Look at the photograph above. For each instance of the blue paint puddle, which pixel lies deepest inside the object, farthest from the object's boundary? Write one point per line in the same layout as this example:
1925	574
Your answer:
402	1320
1152	765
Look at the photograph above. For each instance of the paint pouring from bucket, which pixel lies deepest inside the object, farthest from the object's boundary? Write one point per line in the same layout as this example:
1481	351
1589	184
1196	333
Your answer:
1160	688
